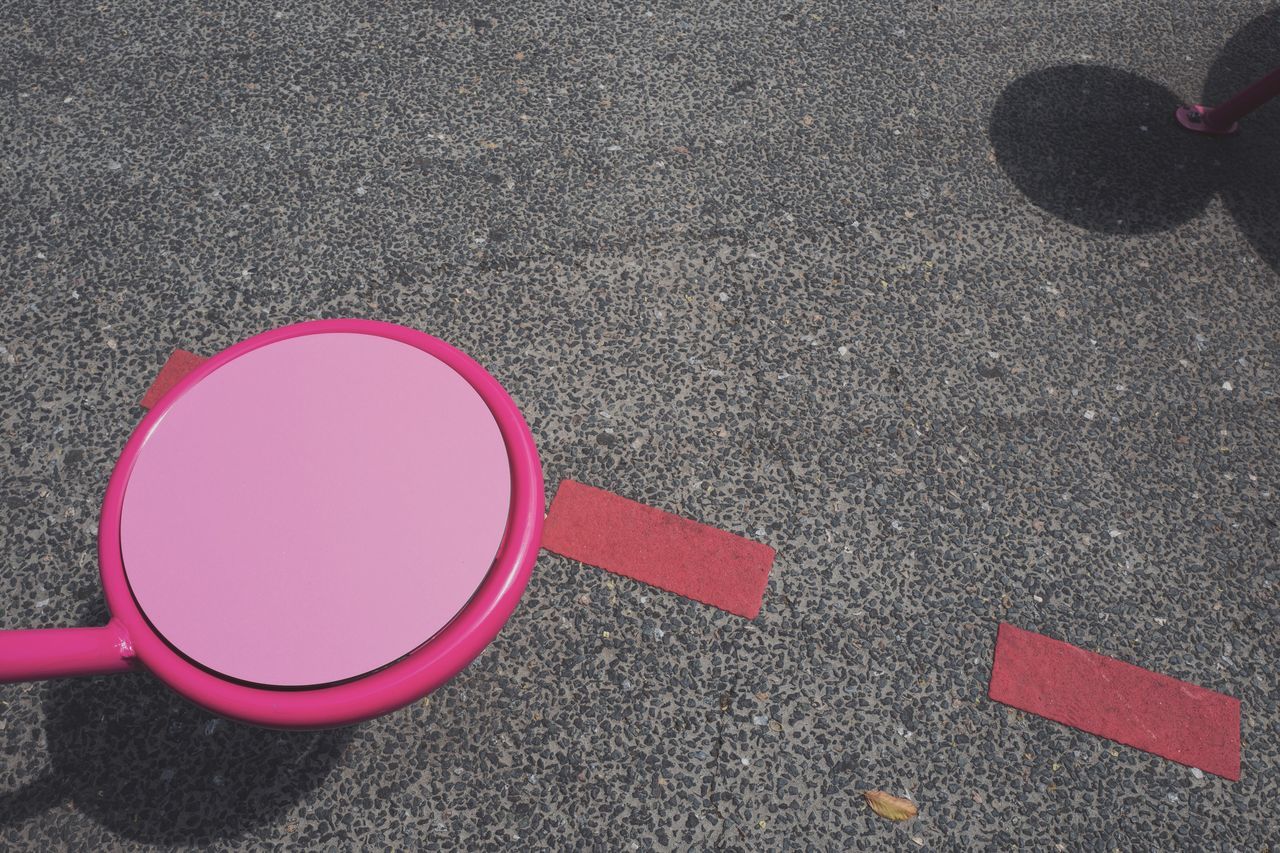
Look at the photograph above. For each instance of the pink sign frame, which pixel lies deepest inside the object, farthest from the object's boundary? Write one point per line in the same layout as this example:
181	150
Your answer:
129	642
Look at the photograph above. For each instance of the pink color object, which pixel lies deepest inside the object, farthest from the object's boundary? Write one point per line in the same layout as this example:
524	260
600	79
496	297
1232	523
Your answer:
327	480
35	654
1118	701
179	364
1223	119
655	547
58	652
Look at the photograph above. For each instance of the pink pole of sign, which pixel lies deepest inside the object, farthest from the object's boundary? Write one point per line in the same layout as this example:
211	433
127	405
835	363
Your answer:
59	652
1224	118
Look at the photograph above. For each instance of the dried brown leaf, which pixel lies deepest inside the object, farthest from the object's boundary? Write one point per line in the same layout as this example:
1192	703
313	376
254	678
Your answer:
889	806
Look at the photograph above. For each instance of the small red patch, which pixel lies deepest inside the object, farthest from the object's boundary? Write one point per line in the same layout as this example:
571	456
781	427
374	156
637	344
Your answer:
180	363
655	547
1116	700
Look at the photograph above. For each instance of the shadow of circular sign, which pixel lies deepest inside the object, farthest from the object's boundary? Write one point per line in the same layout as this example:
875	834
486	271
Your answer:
1100	148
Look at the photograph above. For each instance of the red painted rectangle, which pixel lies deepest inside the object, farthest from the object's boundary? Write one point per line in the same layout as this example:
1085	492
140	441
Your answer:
180	363
655	547
1116	700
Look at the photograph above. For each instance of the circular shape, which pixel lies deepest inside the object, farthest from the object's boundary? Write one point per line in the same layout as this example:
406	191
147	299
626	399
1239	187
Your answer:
407	679
1099	148
314	507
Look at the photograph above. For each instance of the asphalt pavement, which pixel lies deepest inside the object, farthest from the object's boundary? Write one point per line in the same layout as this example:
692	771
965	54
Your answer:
934	298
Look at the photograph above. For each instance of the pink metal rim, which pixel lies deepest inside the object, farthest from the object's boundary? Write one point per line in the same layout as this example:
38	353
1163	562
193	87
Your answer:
362	451
403	681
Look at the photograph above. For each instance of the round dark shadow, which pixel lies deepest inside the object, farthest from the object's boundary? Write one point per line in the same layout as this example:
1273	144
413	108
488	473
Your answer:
1247	165
154	768
1099	148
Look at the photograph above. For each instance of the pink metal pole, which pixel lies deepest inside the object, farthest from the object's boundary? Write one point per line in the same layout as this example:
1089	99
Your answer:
1222	119
57	652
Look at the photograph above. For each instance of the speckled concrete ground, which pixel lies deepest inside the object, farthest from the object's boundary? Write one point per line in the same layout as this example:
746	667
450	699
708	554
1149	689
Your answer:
932	297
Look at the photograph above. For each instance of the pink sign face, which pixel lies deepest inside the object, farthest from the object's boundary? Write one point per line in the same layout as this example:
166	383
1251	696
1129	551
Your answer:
315	509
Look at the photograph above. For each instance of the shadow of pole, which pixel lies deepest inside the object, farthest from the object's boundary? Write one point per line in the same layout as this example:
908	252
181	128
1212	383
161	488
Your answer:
147	764
1247	165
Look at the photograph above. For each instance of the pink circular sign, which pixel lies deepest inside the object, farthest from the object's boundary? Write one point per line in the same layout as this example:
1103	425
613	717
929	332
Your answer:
314	509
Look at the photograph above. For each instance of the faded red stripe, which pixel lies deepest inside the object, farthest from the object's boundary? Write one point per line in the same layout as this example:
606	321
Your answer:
655	547
180	363
1116	700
